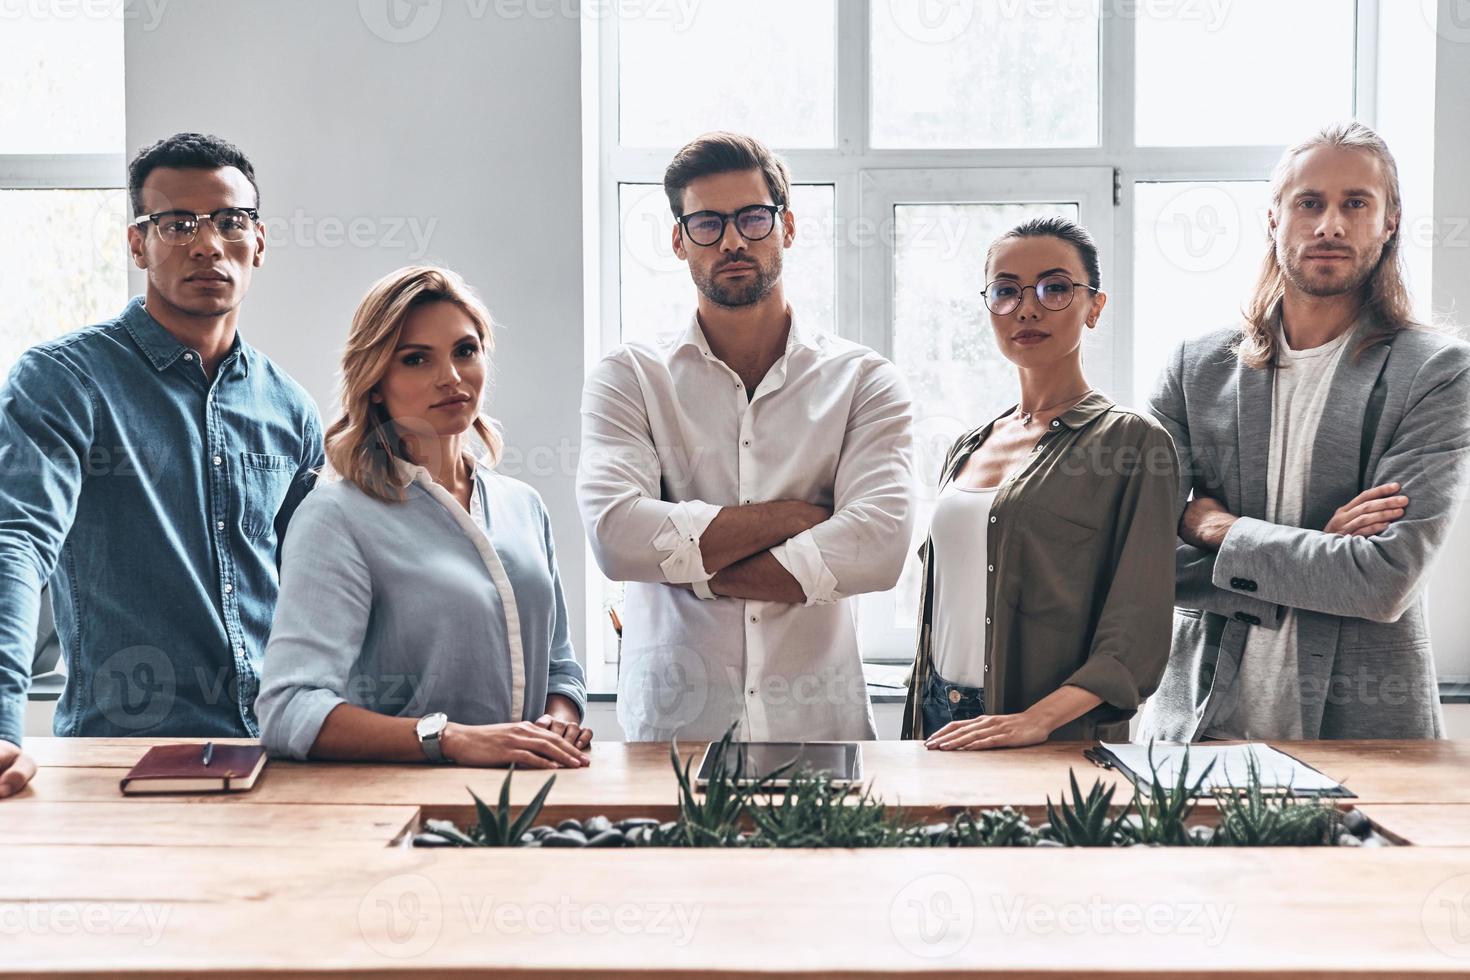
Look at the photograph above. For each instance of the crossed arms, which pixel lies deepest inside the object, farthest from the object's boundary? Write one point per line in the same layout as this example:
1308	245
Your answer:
1370	560
787	551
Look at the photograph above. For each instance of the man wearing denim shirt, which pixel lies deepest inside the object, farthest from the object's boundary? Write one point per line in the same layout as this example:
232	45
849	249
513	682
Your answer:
148	468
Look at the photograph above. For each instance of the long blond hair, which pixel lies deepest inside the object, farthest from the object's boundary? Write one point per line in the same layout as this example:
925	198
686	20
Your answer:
364	444
1385	294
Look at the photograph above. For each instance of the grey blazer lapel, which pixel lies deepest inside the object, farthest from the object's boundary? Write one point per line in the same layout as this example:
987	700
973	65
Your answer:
1338	449
1253	418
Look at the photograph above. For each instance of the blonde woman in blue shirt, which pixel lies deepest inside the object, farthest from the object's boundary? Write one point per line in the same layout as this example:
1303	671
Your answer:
421	615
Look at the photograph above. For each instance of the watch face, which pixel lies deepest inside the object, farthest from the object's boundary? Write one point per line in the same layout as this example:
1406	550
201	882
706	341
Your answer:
431	725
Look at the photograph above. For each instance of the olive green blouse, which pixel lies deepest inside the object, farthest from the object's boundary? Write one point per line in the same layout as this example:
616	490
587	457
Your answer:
1080	583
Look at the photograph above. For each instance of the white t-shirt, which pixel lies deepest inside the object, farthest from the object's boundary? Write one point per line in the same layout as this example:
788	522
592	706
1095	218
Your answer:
959	538
1266	700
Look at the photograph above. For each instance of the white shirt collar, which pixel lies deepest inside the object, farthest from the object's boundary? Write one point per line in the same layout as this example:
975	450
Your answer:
408	472
797	336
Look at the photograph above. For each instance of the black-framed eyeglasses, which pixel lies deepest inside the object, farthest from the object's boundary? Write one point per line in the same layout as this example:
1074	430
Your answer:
754	222
1055	292
180	227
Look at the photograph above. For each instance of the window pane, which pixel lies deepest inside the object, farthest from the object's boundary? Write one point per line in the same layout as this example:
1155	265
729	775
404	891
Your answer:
1197	249
763	67
1202	80
942	341
61	79
65	259
971	74
657	295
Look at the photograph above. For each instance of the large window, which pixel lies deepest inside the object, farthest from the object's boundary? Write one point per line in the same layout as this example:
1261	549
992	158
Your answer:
919	130
63	254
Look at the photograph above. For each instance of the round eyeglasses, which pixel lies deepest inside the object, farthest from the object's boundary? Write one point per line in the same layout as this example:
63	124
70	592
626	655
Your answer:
754	222
180	227
1055	292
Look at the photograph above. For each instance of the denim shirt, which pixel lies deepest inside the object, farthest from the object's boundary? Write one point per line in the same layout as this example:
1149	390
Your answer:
154	500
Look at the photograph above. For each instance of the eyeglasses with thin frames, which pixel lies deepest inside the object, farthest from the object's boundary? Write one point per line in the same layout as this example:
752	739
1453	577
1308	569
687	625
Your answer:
1054	292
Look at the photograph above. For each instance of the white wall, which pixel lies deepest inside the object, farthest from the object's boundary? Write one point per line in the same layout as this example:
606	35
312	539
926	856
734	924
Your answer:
470	132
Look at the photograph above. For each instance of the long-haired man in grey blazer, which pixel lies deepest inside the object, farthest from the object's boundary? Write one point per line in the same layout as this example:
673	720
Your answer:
1325	448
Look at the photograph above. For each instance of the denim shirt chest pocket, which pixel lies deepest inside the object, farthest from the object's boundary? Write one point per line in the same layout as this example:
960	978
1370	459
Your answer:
265	479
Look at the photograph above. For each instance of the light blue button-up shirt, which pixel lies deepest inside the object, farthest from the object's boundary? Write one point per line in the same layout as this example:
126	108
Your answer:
158	498
411	607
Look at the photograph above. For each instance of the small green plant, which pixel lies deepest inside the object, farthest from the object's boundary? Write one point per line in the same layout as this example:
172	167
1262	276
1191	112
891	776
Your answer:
1006	827
716	819
815	812
1256	817
497	828
1163	817
1083	821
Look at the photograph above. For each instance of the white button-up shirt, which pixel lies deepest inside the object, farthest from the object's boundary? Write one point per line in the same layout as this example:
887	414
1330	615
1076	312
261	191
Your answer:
669	436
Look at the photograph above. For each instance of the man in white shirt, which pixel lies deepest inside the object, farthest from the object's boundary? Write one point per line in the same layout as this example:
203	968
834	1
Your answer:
747	479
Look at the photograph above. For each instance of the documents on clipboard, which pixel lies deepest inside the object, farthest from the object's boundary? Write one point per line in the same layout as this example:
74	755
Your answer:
1279	771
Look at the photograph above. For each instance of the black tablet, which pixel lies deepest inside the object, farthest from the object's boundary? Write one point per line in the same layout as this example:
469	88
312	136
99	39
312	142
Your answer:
753	760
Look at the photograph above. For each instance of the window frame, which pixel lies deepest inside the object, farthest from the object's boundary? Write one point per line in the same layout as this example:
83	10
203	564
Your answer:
846	164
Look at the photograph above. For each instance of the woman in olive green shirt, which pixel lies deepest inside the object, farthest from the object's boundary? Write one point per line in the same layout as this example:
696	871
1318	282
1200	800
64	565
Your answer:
1048	578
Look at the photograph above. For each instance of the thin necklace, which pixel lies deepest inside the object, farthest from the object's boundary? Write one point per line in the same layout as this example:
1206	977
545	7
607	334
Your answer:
1026	417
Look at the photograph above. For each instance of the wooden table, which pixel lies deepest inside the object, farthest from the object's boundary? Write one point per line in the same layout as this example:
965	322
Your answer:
307	874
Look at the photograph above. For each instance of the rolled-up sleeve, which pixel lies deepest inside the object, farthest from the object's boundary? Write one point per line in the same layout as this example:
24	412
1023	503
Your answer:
1130	646
636	536
321	619
862	547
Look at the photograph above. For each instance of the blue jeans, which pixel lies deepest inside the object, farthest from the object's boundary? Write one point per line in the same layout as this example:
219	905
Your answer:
945	702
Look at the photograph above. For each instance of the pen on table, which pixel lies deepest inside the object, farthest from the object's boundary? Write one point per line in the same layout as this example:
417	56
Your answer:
208	752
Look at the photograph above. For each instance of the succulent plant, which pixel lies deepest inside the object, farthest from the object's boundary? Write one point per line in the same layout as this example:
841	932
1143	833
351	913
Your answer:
1084	821
1255	817
1006	827
815	812
1163	816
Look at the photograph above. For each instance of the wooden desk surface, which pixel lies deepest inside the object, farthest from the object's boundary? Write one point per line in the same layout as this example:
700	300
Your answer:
302	876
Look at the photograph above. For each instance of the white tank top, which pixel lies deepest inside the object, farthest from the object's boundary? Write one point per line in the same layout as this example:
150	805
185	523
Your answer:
957	553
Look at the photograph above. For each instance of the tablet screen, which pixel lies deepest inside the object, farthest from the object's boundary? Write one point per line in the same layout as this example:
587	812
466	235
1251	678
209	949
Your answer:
752	760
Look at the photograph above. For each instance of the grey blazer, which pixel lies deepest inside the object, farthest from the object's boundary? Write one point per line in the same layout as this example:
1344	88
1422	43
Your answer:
1399	413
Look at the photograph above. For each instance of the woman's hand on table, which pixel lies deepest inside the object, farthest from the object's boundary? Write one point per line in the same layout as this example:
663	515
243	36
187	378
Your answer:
521	743
990	732
562	718
16	769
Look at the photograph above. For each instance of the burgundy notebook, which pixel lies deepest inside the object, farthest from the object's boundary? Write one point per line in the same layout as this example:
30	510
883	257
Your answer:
181	769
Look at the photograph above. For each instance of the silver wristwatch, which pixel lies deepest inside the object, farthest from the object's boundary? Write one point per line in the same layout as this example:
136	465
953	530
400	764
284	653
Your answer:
429	728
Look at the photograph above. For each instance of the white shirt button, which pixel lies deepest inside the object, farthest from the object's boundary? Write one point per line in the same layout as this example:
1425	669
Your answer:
220	525
992	520
229	588
751	692
987	620
755	619
745	443
990	568
218	461
1055	423
188	357
240	651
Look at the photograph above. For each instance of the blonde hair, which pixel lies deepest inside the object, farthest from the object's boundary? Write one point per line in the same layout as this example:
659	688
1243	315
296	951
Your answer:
363	444
1385	294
